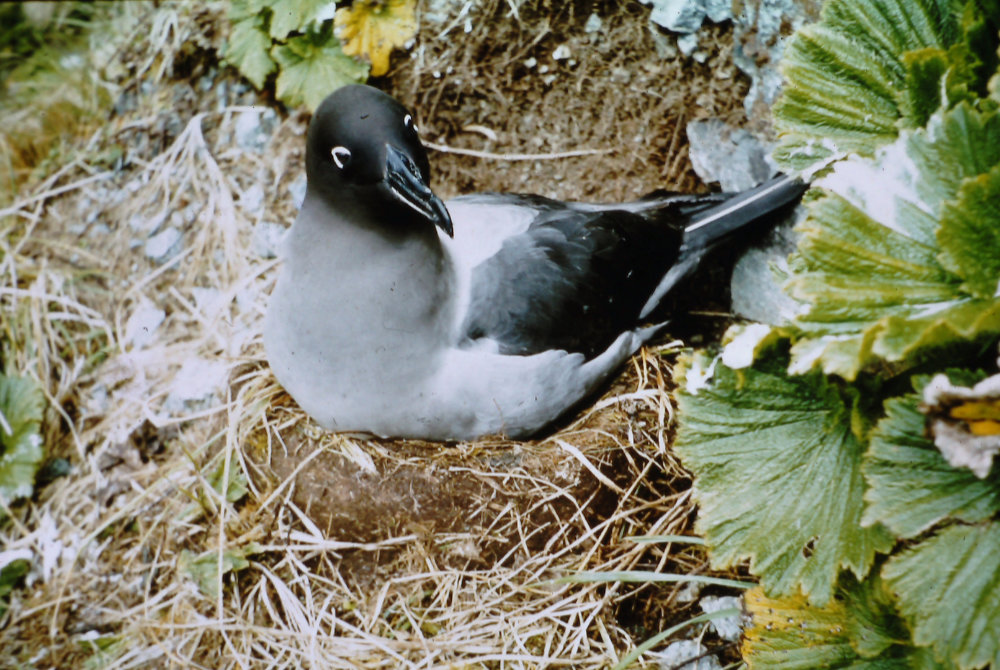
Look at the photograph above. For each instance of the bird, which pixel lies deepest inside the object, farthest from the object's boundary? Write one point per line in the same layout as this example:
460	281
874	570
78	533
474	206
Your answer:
400	315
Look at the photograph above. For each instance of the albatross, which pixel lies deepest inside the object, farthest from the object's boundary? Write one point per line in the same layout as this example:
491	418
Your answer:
400	315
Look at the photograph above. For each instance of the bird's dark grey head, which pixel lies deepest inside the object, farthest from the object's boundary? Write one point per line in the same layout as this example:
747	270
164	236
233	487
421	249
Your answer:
363	154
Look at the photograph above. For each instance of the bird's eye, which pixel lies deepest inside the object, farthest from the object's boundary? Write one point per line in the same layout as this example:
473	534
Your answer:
408	122
341	156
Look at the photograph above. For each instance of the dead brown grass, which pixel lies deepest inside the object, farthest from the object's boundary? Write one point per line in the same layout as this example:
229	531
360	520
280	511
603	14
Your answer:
364	553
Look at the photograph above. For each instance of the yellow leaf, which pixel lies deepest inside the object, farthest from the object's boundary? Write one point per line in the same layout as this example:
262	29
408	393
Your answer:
373	28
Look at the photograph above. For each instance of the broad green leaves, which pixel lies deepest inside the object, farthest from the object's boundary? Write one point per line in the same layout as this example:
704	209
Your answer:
209	568
970	234
860	628
249	46
21	405
311	69
844	76
869	69
949	587
896	104
295	39
757	432
912	486
899	254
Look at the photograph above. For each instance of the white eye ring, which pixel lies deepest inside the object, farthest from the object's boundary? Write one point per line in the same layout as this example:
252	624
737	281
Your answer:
340	156
408	122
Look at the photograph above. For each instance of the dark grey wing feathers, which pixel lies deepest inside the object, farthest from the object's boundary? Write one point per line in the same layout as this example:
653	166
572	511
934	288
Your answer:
569	282
581	274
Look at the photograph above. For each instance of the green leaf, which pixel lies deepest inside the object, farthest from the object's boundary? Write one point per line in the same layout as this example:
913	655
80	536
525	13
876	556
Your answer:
970	234
868	264
949	589
21	405
312	68
204	568
248	49
288	16
844	76
236	487
859	628
648	576
922	91
777	465
10	574
912	486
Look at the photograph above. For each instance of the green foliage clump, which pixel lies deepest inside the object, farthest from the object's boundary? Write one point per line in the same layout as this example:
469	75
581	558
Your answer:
824	461
294	39
21	406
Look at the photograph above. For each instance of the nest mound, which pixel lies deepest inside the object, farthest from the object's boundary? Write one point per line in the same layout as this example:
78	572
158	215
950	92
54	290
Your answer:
220	527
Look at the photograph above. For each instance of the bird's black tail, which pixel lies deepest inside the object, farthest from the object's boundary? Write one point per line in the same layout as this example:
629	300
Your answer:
713	225
718	222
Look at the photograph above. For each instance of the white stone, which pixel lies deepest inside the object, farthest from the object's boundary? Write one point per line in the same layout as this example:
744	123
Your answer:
730	627
164	245
198	383
140	329
679	654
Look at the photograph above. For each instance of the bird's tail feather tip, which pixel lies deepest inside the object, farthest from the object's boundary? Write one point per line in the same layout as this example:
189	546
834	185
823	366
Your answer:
744	208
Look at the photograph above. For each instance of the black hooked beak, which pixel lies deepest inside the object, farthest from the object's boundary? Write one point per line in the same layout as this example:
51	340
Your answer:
407	185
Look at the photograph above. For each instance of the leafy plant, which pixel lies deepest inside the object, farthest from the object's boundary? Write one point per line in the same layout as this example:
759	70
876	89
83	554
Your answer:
21	405
868	506
207	569
300	40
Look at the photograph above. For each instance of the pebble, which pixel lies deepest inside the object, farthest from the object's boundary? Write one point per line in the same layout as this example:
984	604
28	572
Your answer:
164	245
140	329
730	627
675	655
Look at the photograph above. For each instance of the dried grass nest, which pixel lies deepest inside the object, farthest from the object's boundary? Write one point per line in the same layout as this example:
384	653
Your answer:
360	553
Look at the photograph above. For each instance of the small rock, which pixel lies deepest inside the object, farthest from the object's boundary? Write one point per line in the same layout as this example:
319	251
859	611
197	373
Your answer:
140	329
95	400
730	627
163	245
198	383
593	23
732	157
253	128
675	655
99	229
267	239
562	52
689	592
531	62
680	16
759	274
687	43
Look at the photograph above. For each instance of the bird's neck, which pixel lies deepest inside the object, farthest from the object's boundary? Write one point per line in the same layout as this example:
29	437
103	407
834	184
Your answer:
374	271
